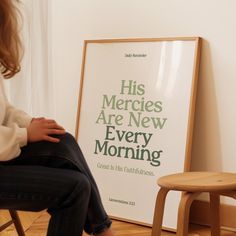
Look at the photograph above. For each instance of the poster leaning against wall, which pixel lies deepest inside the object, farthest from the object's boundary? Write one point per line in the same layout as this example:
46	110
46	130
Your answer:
135	120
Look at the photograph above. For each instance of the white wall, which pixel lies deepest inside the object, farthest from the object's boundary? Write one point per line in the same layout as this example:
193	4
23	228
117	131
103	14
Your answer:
213	20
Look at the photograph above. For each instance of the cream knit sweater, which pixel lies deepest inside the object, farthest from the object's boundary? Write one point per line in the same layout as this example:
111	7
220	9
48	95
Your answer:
13	124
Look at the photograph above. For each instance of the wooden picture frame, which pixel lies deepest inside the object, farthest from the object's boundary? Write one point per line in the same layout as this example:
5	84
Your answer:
135	119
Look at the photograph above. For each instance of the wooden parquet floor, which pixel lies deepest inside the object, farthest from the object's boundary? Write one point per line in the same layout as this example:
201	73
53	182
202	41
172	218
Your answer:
35	224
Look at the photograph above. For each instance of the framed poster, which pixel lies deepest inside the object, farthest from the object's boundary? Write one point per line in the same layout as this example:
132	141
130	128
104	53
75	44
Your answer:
135	120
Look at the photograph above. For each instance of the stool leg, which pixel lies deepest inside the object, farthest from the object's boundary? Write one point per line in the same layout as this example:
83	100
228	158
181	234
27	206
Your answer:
183	213
17	223
215	214
159	211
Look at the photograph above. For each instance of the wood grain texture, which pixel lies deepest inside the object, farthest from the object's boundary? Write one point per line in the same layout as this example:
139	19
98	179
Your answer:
36	224
199	181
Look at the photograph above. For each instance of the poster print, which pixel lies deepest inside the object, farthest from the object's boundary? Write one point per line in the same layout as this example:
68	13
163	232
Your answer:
135	118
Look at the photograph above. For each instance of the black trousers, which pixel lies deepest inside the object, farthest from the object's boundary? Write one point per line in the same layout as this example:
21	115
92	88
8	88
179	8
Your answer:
56	177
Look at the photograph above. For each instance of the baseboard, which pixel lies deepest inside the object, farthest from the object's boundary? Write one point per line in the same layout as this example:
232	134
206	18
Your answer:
199	214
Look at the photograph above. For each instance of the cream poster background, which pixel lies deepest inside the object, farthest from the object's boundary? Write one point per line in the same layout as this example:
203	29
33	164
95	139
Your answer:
133	121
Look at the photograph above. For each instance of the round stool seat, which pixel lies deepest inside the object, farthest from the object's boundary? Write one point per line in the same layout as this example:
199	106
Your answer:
191	184
199	181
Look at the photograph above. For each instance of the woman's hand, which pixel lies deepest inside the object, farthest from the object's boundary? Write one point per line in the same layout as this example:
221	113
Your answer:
41	129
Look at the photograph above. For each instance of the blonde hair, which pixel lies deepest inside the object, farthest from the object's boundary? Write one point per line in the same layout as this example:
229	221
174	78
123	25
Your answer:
10	44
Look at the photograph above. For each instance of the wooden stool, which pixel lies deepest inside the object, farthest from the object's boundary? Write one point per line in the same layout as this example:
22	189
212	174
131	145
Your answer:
192	184
16	221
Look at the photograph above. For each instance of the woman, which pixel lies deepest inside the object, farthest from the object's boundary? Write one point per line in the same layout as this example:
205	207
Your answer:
42	166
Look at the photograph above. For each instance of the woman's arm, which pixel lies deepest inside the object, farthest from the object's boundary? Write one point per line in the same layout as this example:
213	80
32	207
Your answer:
13	137
13	130
14	115
18	128
11	140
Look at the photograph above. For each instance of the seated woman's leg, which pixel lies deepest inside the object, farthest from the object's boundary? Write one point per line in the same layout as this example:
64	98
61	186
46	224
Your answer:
65	193
67	155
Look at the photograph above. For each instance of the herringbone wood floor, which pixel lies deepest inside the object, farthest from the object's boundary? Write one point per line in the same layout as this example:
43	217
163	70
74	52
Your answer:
35	224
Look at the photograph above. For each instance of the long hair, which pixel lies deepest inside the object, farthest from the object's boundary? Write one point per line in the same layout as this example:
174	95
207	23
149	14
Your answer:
10	43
